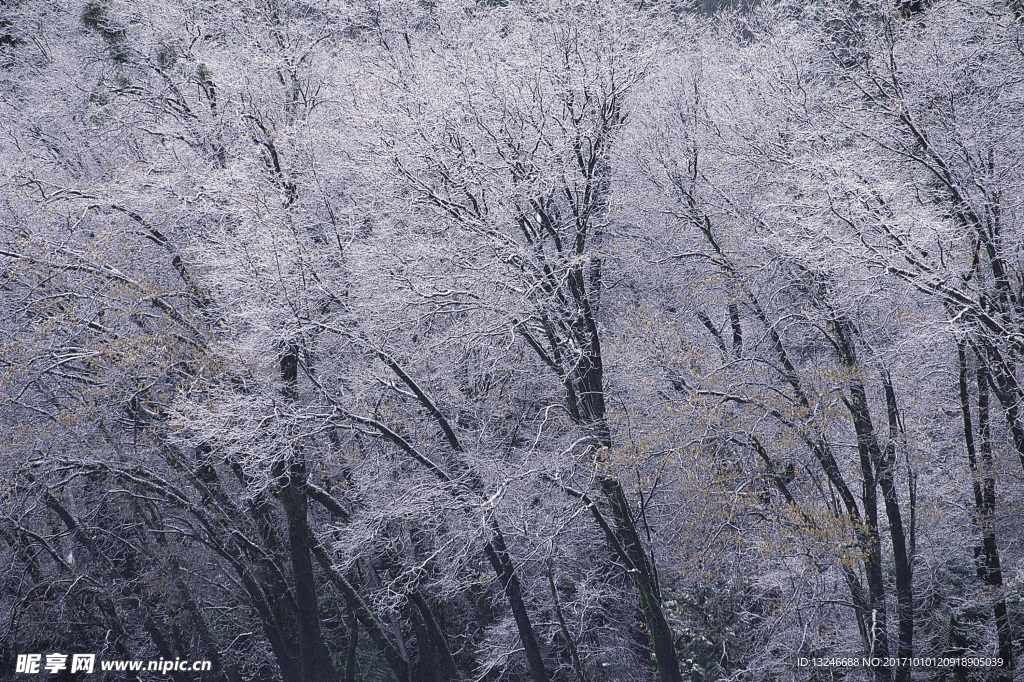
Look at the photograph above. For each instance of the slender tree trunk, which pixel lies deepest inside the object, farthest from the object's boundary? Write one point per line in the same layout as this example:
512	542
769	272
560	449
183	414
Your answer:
591	400
662	639
496	550
897	533
314	660
497	554
374	627
983	483
570	642
353	646
878	471
446	669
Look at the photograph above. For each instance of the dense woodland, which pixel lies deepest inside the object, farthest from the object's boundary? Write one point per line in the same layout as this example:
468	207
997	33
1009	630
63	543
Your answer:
541	340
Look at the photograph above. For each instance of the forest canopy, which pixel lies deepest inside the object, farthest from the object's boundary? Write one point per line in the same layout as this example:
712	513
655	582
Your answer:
502	340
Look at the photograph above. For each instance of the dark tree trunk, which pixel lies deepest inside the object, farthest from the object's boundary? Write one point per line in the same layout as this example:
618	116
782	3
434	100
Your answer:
897	532
445	667
353	646
662	639
737	330
374	628
983	483
496	550
497	554
873	459
592	411
314	660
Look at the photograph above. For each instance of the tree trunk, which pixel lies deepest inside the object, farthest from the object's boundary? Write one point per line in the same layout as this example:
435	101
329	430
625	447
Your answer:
897	533
662	639
497	554
446	669
589	377
983	483
314	660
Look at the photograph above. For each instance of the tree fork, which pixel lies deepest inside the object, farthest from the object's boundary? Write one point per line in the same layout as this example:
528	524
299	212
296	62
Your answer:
496	551
362	612
438	641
